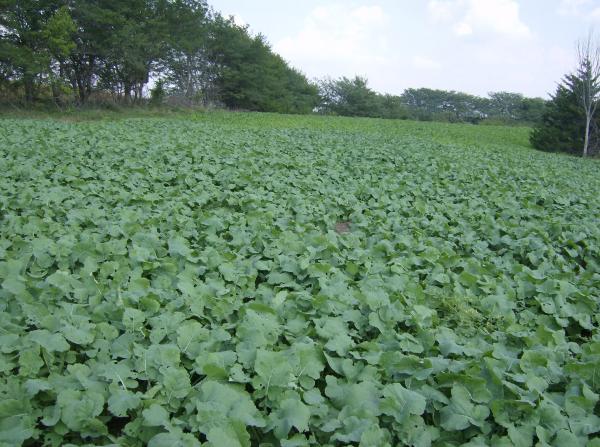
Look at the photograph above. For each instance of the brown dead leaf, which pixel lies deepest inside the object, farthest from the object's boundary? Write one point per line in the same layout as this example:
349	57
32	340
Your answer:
342	227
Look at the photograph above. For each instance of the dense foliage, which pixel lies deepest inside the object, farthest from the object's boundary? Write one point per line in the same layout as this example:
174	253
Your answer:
353	97
246	279
114	47
562	127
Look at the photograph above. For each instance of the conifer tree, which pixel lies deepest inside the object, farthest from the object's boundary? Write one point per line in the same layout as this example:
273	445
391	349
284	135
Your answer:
563	125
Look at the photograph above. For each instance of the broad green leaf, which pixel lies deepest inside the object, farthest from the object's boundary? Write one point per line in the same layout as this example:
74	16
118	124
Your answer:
233	435
400	402
219	404
290	413
156	416
50	342
122	401
462	413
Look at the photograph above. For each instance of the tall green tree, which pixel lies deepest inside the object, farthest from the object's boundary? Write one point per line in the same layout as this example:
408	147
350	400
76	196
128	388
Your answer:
94	39
562	128
186	67
392	107
59	34
532	110
248	75
23	48
348	97
505	105
136	44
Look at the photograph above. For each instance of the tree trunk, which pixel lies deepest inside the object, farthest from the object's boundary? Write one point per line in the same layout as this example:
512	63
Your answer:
55	92
80	89
74	87
83	81
127	91
587	135
29	88
139	91
83	68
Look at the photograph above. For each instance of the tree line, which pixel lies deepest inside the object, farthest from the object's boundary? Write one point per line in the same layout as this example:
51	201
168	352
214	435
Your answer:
80	51
353	97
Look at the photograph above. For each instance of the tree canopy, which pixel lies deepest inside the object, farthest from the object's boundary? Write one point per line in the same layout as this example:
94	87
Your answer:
120	48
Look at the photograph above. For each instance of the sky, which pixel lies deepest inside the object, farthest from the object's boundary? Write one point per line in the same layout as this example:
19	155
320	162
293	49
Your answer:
474	46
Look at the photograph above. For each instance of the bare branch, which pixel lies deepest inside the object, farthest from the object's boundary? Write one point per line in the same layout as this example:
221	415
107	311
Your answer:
588	80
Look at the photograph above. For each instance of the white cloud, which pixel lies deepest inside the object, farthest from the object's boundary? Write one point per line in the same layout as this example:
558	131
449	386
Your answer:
335	35
500	17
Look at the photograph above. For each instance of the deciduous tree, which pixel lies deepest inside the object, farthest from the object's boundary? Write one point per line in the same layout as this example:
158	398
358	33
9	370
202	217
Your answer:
588	72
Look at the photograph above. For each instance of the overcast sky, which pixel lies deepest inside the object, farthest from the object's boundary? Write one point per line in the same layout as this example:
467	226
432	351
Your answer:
475	46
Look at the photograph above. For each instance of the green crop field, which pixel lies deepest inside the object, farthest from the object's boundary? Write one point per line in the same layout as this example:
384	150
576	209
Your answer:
262	280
